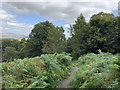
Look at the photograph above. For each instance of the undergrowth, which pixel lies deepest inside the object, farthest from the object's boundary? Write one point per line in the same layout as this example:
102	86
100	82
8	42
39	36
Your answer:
97	71
39	72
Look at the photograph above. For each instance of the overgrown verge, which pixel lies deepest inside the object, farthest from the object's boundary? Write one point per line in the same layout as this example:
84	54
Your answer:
39	72
97	71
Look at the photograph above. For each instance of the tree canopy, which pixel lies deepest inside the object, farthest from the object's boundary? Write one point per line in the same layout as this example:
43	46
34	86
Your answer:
101	32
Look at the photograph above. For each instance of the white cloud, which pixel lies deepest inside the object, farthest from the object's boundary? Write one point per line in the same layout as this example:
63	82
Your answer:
66	10
55	0
4	15
8	24
16	27
14	23
61	10
67	25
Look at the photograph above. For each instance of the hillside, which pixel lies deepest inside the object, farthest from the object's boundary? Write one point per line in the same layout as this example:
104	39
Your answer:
12	36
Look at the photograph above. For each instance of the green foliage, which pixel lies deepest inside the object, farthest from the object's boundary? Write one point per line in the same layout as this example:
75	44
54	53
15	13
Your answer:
22	50
55	41
10	42
97	71
9	53
37	38
79	32
64	59
101	32
68	48
39	72
57	66
22	73
12	48
104	33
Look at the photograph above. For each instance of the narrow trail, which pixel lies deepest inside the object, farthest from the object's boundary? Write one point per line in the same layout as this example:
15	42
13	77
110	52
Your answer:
65	83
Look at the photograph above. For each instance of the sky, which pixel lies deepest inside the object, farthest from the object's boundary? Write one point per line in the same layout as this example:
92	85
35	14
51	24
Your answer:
19	17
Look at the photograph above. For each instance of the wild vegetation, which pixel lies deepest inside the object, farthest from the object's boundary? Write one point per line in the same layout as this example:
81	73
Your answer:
38	72
97	71
39	61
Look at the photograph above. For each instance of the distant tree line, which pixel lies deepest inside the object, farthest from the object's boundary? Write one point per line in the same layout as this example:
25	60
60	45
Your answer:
101	32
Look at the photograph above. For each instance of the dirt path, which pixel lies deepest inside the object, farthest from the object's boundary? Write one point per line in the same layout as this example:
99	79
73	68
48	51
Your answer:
65	83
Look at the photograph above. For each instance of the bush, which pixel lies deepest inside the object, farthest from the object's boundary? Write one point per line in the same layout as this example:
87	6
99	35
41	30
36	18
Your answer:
97	71
39	72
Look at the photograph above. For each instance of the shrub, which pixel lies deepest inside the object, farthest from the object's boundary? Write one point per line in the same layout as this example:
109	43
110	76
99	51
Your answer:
39	72
96	71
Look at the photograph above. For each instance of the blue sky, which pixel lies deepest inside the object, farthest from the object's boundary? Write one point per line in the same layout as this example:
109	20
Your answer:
33	18
20	17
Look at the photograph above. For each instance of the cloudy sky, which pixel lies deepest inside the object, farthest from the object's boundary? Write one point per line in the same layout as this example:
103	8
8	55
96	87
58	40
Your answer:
21	16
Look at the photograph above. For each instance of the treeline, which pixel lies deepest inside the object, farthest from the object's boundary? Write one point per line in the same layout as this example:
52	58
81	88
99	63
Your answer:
101	32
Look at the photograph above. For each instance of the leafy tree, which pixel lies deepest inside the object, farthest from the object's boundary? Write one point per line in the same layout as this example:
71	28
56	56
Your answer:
5	43
10	42
92	40
22	50
68	48
79	36
37	38
10	53
55	41
104	32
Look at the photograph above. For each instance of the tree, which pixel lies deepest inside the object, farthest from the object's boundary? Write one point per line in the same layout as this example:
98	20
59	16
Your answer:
9	54
10	42
55	41
79	36
104	28
10	49
92	40
5	43
37	38
68	48
22	48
